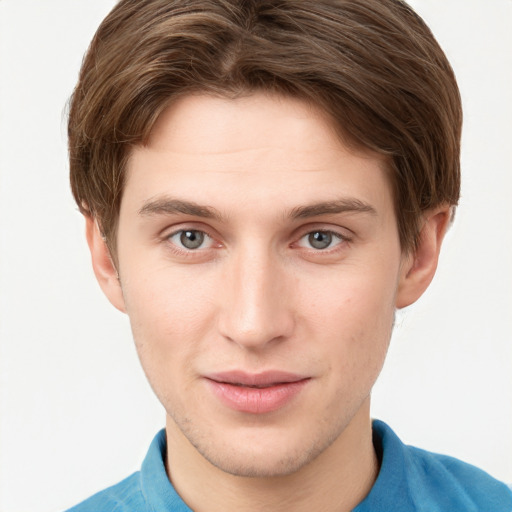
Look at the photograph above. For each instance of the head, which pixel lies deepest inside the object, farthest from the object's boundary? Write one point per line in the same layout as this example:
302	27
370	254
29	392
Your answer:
264	183
373	67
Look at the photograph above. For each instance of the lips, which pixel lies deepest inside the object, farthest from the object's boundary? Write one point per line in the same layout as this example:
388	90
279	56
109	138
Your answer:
256	393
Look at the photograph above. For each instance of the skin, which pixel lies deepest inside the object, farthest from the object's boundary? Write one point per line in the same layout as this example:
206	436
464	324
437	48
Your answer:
256	295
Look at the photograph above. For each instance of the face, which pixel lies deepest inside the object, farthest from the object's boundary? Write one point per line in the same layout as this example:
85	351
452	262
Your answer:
259	263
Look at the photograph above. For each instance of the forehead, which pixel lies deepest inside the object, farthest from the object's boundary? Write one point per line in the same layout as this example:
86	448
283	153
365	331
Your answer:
224	124
260	148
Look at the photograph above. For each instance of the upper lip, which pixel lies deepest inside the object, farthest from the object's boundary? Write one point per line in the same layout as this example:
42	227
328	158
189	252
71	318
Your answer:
261	379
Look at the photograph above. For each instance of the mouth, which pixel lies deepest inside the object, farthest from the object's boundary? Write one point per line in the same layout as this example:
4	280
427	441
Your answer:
256	393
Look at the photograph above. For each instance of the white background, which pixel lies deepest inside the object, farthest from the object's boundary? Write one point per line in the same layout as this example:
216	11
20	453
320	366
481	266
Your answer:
76	413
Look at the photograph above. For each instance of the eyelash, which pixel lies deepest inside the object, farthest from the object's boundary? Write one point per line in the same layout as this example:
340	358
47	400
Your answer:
185	230
333	234
188	252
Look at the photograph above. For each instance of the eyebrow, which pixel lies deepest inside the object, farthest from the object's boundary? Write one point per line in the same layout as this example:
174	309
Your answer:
346	205
171	206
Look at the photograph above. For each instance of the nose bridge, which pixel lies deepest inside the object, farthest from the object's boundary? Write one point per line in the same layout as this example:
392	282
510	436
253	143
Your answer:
257	309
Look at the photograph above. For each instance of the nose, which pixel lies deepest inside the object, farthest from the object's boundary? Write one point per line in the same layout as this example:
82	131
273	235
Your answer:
257	309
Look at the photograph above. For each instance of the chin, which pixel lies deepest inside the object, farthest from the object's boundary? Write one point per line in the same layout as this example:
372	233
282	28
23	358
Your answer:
261	464
258	456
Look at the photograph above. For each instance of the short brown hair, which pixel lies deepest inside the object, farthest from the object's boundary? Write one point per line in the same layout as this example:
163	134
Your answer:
372	65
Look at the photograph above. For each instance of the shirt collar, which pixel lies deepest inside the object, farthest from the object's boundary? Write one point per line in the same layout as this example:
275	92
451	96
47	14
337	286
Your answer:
158	491
390	491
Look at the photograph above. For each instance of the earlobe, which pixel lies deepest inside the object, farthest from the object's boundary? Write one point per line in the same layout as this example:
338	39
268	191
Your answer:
419	267
103	266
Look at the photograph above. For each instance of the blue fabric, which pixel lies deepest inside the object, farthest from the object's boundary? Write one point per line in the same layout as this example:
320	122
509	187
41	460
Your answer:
409	480
147	490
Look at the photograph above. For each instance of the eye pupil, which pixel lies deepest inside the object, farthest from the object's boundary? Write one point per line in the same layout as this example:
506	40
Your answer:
320	239
192	239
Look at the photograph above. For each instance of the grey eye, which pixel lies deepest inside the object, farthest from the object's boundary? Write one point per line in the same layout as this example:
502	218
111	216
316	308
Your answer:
320	239
191	239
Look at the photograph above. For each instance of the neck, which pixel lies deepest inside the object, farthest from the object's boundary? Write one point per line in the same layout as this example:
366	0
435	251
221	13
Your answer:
337	480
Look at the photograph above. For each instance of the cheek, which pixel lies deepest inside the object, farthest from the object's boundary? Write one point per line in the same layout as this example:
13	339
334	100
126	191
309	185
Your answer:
354	319
168	321
349	300
168	313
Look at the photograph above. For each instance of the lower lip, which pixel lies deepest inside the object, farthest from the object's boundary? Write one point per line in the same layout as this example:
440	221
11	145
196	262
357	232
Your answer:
257	400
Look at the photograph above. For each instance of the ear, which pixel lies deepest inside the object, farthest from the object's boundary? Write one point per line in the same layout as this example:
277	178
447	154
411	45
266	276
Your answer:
102	264
419	267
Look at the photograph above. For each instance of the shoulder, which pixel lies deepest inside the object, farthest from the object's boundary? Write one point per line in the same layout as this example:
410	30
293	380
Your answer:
455	485
431	482
126	496
147	490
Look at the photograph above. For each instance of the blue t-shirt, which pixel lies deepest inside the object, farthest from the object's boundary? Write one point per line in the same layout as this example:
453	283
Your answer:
409	480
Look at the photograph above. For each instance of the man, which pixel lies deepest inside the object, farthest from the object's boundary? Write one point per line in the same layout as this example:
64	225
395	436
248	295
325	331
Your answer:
264	183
